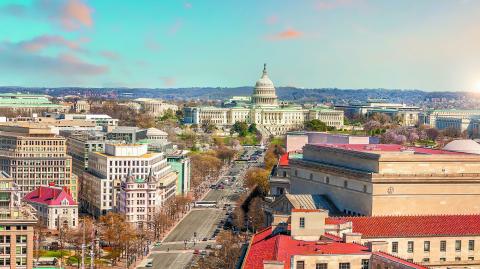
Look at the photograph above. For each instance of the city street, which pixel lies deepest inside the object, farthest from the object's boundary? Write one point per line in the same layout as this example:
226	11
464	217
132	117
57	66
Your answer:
202	221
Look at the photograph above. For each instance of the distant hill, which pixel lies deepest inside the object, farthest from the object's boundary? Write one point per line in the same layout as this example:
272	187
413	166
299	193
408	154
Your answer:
212	93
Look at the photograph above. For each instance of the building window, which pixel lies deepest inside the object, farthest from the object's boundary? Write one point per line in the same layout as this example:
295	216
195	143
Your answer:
345	184
471	245
321	266
327	180
302	222
443	259
426	260
471	258
311	176
458	245
365	263
426	246
457	259
443	246
300	265
364	188
410	247
296	172
394	247
344	265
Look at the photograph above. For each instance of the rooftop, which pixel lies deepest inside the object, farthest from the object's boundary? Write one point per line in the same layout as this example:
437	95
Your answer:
412	226
49	196
267	246
387	148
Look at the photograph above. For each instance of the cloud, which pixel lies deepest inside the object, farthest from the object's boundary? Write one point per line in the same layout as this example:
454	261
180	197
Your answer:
176	27
287	34
152	44
188	5
334	4
110	55
42	42
168	81
273	19
15	60
75	14
68	14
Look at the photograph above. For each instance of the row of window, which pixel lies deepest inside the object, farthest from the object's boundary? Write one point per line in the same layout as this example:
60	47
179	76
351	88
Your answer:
327	181
443	246
20	250
20	261
10	228
342	265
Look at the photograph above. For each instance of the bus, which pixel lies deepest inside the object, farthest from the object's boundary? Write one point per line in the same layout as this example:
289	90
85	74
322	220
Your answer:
205	204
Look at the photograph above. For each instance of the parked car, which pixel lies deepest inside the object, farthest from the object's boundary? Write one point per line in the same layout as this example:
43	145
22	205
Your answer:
196	251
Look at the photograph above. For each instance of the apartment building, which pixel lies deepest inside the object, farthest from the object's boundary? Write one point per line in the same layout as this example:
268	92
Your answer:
34	155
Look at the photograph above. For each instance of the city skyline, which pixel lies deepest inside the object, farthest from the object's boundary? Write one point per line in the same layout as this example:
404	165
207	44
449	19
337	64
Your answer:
428	45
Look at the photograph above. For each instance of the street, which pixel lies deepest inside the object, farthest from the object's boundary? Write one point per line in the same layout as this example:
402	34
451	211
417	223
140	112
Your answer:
202	221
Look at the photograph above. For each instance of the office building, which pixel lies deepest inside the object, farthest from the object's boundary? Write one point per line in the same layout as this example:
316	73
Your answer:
106	171
17	221
385	179
139	199
34	155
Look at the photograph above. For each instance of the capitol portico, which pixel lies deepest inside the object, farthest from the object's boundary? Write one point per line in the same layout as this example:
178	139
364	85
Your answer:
265	111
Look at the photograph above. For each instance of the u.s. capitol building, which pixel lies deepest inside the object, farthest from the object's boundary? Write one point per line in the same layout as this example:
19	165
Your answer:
264	110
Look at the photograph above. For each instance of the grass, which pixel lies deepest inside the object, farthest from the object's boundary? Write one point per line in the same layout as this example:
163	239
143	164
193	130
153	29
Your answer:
55	253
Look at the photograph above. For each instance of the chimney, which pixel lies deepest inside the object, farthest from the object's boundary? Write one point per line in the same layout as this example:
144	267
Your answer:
376	246
352	238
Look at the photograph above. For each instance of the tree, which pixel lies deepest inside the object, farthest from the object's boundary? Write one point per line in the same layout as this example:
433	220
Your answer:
432	133
226	256
111	224
256	214
208	127
252	128
225	154
372	125
258	177
316	125
241	128
451	132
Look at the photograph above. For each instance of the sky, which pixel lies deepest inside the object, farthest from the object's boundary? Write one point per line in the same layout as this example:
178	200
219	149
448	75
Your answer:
405	44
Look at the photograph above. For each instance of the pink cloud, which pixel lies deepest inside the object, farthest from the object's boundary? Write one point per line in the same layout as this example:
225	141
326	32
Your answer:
273	19
42	42
168	81
110	55
188	5
83	67
65	66
334	4
75	14
176	27
152	45
287	34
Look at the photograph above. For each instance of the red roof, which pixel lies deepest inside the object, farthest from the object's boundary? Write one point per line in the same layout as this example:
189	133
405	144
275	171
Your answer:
400	260
387	148
266	246
49	196
413	226
283	160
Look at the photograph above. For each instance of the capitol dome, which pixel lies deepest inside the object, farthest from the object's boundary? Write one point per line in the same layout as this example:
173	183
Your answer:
264	93
463	145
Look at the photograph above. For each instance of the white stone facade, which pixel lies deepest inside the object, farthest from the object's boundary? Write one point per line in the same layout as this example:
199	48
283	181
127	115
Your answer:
264	111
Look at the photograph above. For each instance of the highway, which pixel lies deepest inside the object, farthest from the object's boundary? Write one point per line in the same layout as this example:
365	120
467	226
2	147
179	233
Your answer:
201	222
